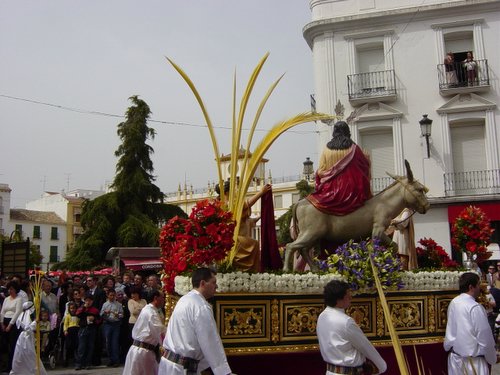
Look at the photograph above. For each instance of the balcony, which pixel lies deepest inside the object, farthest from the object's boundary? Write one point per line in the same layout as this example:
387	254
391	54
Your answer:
372	87
472	183
453	79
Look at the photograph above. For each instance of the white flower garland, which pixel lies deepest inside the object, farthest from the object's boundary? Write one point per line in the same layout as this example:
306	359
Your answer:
312	283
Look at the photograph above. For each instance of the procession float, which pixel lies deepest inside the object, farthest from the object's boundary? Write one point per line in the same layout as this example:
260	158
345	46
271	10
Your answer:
267	319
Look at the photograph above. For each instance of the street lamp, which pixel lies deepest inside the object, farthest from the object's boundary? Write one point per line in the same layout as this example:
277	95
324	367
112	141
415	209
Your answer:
308	170
425	128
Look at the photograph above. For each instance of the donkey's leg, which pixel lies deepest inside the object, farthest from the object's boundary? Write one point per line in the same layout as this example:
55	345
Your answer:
306	254
304	241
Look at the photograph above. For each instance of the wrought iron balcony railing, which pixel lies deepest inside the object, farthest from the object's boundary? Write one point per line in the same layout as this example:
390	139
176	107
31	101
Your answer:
456	75
372	85
472	183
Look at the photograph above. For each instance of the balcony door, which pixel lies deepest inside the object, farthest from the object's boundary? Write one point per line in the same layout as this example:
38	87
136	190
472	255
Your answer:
380	146
468	150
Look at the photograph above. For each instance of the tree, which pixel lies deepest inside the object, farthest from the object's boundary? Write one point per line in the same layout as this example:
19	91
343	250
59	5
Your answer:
131	214
284	220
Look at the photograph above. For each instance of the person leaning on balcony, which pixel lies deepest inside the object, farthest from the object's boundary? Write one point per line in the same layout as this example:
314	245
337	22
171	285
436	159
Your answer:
450	69
343	345
470	67
468	338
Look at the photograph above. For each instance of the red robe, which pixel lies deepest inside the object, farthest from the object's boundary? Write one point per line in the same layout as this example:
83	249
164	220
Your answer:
345	187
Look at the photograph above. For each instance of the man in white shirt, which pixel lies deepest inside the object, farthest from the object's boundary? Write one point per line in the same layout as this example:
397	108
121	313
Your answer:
147	334
192	342
343	345
468	335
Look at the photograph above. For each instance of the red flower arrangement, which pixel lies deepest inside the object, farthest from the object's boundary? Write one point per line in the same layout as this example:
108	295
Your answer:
471	233
432	255
205	237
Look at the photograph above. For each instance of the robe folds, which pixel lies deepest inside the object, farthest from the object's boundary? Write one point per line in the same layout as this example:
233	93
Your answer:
192	333
345	186
468	337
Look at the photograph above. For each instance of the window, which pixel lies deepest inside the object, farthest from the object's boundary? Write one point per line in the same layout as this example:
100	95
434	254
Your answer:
54	234
19	229
77	218
278	201
468	147
370	58
380	146
295	198
53	257
36	232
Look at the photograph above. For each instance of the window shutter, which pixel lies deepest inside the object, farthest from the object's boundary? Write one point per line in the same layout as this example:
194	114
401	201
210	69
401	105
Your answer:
468	148
381	149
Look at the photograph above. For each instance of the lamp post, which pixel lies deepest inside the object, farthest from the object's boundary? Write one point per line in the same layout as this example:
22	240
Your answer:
425	128
308	170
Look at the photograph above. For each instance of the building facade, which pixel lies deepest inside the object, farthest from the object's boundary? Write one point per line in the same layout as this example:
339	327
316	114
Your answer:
385	62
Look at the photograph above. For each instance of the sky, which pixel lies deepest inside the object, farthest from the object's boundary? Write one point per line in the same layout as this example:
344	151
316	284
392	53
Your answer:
84	59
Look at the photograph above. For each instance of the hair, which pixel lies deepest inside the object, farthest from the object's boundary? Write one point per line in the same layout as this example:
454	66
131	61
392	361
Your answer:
71	303
152	294
341	137
200	274
334	291
471	54
111	291
14	285
467	280
135	289
226	187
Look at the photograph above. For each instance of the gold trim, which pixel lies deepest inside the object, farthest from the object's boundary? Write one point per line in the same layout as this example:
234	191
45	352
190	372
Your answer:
431	308
275	321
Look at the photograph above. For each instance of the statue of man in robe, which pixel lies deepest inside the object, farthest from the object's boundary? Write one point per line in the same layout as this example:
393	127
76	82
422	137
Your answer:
343	175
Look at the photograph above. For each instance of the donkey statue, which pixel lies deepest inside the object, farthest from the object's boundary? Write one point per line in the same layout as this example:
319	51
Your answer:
370	220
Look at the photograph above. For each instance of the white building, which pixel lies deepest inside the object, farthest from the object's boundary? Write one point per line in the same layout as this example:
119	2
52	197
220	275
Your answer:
45	229
384	60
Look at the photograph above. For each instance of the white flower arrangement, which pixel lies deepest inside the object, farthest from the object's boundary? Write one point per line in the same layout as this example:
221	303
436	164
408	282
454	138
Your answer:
312	283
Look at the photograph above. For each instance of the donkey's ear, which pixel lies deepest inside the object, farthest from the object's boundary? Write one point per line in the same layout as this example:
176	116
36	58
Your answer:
409	173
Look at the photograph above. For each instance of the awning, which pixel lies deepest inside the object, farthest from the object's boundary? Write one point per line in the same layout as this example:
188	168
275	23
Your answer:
491	209
139	264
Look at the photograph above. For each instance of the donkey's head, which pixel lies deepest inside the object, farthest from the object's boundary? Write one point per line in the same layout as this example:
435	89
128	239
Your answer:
413	191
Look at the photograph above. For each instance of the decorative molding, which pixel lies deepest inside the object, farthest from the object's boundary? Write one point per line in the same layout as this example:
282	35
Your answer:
447	25
377	111
369	34
466	103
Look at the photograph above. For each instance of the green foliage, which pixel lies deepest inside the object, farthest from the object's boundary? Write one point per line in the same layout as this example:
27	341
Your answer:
131	215
283	222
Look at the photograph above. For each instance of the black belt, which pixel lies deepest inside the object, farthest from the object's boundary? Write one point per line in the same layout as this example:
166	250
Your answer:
344	369
467	356
145	345
189	364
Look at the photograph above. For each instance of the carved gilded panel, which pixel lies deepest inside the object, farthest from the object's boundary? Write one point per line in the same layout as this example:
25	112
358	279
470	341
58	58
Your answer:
244	321
442	312
362	310
299	319
409	314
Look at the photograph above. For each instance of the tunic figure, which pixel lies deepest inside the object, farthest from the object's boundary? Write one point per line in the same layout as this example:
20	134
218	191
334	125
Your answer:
343	176
404	237
192	342
148	332
25	358
343	345
469	339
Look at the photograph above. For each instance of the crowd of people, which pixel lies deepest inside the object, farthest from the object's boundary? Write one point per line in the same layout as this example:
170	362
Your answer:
81	318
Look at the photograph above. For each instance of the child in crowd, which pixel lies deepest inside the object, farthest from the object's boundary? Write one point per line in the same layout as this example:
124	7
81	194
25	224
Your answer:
71	325
44	332
89	320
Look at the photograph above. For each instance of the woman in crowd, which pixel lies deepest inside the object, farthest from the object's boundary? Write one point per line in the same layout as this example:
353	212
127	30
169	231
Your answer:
11	309
135	305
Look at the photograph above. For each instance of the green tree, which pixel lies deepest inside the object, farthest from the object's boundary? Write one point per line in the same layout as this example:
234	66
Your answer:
132	213
283	235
